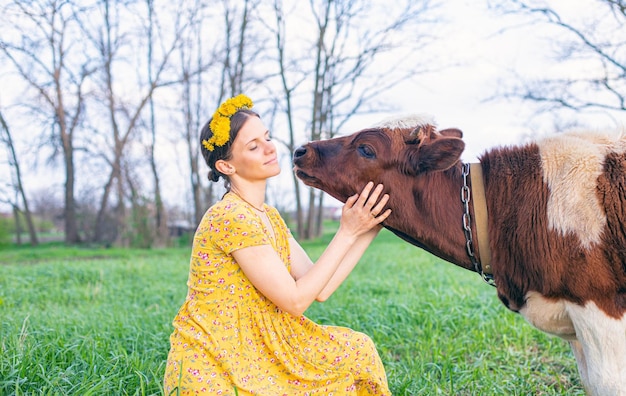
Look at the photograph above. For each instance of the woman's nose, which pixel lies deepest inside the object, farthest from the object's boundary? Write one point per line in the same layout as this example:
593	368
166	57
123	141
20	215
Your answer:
270	147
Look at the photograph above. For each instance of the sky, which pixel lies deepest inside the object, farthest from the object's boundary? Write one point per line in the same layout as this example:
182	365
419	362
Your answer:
485	47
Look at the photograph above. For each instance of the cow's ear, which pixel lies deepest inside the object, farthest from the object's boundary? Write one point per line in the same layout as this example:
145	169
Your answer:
438	155
423	133
452	132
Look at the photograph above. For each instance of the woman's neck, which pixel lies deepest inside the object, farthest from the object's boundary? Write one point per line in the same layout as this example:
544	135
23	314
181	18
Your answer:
253	194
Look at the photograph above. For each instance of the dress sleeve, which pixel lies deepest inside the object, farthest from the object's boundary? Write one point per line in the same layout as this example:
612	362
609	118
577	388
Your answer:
233	227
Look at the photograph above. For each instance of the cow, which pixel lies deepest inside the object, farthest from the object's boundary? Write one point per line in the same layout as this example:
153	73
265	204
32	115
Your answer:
544	222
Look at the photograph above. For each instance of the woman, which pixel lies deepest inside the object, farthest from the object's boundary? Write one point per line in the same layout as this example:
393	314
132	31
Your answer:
241	329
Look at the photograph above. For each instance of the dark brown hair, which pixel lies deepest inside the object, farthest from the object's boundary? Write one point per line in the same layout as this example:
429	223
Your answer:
223	152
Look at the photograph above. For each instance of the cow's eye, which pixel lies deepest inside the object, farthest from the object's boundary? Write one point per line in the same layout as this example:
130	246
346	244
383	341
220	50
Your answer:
366	151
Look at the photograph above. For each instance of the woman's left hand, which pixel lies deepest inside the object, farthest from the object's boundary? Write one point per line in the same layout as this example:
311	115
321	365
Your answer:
365	210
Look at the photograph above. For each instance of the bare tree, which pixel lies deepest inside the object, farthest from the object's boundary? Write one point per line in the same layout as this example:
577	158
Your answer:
160	220
593	41
240	50
226	64
287	70
343	70
115	47
42	48
192	112
193	65
7	139
125	56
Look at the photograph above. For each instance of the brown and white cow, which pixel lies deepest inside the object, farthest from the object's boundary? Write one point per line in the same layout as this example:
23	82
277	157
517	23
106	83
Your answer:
556	221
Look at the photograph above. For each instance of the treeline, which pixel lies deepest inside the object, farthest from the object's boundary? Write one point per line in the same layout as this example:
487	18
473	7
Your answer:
109	92
102	100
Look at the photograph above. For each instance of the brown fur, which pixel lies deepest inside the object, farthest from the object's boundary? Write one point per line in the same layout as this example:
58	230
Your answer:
421	171
526	254
556	219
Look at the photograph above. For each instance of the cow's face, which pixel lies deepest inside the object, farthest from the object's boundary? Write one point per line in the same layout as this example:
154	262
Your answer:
390	154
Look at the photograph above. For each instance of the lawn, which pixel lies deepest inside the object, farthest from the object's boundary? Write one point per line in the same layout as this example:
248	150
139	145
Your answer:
97	322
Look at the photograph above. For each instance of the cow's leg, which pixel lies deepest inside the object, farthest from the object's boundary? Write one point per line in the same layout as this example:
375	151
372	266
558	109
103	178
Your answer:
581	362
600	350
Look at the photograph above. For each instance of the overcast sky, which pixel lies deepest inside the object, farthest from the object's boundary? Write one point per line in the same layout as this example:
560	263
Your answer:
488	47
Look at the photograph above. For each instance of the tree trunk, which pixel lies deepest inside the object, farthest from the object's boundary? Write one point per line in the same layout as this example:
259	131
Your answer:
320	216
104	202
310	231
71	227
161	223
299	213
20	187
121	222
160	217
18	225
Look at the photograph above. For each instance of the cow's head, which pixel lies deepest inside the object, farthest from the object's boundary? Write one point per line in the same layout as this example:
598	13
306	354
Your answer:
390	153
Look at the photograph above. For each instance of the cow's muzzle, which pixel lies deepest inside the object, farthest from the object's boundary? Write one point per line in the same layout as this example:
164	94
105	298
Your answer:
299	153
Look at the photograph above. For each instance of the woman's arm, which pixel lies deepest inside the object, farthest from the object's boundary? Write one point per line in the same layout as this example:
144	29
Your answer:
268	274
301	262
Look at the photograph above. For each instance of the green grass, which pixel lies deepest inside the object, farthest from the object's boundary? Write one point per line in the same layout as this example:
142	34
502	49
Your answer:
97	322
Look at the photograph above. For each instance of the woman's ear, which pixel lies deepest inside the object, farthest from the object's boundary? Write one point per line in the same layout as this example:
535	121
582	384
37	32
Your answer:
224	167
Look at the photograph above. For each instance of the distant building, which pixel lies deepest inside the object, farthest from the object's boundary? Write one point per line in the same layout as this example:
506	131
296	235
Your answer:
179	228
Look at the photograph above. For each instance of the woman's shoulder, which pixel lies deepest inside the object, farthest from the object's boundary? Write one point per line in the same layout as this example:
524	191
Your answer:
226	204
227	209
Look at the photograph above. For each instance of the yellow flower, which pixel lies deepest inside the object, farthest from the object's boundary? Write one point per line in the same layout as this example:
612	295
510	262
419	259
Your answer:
220	125
227	108
207	145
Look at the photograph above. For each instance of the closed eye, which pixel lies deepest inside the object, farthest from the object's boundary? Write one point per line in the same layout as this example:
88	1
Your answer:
366	151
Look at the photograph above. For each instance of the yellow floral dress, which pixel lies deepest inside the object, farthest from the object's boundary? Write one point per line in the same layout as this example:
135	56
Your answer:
229	339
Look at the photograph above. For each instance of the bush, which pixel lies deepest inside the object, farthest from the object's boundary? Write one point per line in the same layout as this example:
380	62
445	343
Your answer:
5	227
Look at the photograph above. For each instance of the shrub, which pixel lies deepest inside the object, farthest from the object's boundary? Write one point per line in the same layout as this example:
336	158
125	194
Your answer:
5	227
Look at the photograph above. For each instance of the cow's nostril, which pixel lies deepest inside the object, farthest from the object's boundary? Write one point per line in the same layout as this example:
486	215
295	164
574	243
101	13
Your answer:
299	152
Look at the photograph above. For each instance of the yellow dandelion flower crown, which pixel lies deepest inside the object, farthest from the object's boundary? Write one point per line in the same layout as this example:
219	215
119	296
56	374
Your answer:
220	124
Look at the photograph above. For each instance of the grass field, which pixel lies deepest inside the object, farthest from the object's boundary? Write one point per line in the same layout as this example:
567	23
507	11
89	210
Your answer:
96	322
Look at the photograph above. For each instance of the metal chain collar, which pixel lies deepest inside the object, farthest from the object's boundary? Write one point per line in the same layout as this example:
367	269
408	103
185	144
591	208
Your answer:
467	228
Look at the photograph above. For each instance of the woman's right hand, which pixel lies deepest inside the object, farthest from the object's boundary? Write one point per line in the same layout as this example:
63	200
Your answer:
365	210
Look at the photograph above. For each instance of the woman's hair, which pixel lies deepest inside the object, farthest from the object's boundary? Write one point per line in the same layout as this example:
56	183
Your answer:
223	152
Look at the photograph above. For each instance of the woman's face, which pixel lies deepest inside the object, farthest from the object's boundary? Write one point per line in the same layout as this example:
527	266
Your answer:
253	152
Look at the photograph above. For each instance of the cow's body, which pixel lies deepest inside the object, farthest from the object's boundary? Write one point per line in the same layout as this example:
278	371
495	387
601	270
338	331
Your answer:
556	221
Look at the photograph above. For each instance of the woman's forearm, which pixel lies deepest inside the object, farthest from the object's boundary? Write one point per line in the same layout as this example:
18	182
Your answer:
349	261
361	217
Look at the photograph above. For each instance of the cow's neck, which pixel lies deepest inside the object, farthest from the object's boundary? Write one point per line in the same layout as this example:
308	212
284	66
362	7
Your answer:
438	228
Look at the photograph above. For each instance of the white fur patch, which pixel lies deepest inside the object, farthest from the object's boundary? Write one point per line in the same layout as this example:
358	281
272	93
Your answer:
571	165
600	350
548	316
597	340
405	121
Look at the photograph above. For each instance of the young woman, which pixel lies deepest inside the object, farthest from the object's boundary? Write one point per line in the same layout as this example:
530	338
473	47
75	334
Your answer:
241	329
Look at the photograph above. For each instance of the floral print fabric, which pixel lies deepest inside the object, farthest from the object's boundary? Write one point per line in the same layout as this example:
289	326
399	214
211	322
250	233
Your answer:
228	336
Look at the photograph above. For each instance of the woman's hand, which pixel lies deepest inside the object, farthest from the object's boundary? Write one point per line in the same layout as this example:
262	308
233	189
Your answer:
364	211
294	292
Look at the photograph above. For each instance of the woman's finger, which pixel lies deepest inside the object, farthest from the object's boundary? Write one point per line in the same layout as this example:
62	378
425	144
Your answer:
378	208
383	216
351	201
374	196
363	197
